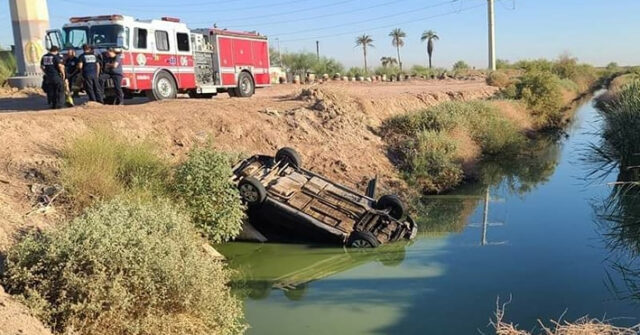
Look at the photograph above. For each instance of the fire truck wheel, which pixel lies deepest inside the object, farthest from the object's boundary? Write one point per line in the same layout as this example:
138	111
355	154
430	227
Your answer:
164	87
245	87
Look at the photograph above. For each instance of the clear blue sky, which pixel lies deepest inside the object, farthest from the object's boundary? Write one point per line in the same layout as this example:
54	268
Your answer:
595	31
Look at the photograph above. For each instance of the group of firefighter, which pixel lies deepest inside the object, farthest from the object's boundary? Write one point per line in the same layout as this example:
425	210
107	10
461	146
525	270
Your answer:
60	73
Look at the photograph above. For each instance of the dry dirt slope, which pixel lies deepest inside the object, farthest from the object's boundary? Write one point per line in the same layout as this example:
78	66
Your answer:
331	125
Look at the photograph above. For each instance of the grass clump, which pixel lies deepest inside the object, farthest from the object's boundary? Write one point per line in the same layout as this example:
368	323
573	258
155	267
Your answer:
424	145
498	79
620	136
101	165
124	267
213	202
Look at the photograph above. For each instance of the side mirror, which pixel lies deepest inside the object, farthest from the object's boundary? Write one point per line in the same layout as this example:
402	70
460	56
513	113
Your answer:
371	187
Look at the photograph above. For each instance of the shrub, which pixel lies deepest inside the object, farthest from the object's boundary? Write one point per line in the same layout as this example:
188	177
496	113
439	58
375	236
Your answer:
420	70
329	66
213	202
498	79
460	66
542	92
99	166
425	150
123	268
356	71
432	161
391	70
8	66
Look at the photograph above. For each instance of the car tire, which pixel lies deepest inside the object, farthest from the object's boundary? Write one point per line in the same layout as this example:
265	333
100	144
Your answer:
252	191
393	204
362	240
164	87
289	156
246	87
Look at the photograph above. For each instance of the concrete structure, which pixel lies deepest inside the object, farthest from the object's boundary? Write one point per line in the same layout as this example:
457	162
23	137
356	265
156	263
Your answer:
30	21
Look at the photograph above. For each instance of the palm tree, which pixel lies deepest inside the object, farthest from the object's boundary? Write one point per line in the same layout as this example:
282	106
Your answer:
386	61
397	40
364	41
429	36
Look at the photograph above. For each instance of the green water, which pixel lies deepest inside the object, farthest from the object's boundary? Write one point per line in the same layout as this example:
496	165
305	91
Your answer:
543	244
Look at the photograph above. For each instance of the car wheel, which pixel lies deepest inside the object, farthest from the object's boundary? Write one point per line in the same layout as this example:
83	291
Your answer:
289	156
362	240
252	191
393	204
246	87
164	87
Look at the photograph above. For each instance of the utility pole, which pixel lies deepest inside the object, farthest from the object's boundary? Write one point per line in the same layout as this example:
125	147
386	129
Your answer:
492	36
279	53
318	49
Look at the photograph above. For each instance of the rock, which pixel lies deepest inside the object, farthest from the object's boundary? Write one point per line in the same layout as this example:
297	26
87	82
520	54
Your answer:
270	111
296	79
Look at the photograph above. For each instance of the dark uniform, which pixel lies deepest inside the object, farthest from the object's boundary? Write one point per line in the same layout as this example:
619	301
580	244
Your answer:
90	76
115	73
70	65
53	84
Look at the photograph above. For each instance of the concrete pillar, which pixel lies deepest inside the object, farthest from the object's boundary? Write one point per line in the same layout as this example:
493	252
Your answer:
30	21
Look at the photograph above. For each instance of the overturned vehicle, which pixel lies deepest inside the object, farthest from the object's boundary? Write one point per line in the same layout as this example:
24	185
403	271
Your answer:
283	197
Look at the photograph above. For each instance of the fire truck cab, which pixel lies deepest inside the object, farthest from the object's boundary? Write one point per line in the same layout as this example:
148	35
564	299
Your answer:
162	58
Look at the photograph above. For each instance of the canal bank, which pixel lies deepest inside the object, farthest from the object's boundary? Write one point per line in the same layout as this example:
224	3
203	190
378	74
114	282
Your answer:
539	244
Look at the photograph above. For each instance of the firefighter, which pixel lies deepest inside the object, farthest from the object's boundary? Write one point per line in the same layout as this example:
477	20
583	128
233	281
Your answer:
71	66
89	63
113	68
53	68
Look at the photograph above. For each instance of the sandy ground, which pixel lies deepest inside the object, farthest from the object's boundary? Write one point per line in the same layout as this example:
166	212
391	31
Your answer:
333	125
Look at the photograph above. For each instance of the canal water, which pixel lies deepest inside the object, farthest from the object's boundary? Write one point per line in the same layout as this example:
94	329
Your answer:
529	232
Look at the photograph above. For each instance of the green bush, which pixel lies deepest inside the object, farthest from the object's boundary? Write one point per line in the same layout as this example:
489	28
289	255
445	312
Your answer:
356	71
432	161
460	66
123	268
100	166
542	92
391	70
8	66
213	202
424	149
420	70
328	66
498	79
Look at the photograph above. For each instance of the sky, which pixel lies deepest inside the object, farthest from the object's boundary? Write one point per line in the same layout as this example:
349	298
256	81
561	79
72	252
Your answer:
595	31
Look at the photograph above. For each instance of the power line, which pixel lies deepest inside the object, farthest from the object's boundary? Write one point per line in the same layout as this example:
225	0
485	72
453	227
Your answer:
385	26
283	13
359	9
146	7
367	20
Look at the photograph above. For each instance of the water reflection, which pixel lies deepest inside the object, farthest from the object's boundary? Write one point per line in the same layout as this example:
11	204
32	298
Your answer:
519	175
261	268
619	219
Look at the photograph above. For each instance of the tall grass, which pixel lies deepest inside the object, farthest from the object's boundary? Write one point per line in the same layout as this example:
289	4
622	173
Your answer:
101	165
620	145
124	267
423	145
8	66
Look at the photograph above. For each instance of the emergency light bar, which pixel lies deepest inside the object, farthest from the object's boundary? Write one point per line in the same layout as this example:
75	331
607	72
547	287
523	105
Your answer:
170	19
96	18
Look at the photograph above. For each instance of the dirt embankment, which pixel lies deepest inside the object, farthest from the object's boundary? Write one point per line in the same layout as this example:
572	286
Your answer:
333	126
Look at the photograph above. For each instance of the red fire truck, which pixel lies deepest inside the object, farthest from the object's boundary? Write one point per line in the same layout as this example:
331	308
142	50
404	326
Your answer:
162	58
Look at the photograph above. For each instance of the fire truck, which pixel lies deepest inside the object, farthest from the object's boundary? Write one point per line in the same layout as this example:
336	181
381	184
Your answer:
161	58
